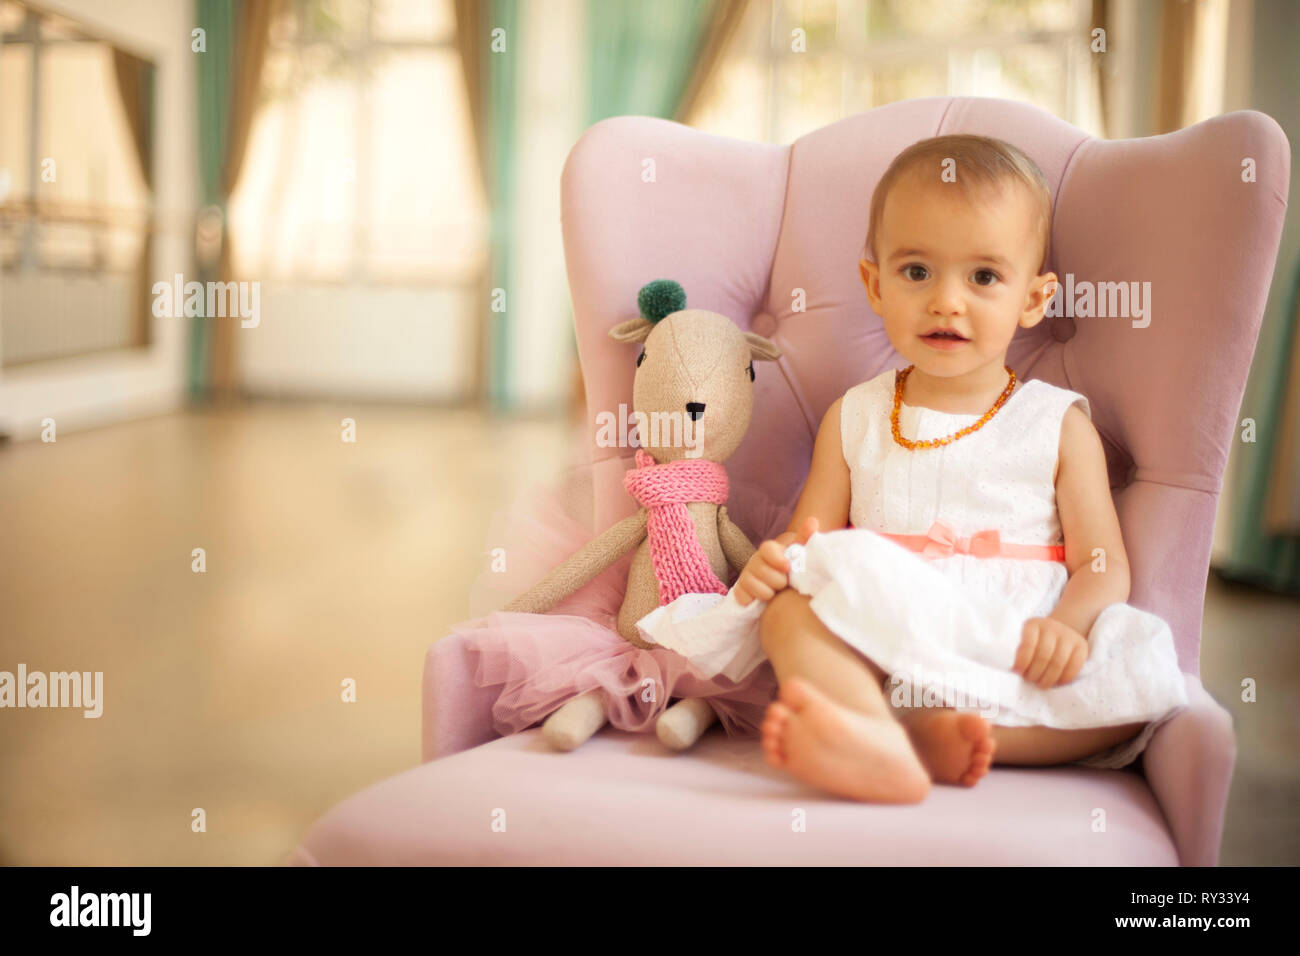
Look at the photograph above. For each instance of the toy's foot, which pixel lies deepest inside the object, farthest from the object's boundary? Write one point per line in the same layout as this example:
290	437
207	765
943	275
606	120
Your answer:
840	750
954	747
574	723
684	722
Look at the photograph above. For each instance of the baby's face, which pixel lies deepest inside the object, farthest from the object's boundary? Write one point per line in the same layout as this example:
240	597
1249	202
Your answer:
966	267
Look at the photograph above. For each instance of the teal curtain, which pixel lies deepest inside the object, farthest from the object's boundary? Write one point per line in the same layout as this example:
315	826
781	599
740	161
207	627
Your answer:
1255	556
217	18
642	54
501	93
228	83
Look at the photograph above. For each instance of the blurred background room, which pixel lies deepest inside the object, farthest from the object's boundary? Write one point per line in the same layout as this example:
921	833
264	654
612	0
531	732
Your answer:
232	511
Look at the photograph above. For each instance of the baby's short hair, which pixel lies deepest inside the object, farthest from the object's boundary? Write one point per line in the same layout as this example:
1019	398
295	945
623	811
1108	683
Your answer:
980	161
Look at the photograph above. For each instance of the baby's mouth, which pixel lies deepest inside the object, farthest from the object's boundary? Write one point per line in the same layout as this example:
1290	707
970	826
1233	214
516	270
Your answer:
944	335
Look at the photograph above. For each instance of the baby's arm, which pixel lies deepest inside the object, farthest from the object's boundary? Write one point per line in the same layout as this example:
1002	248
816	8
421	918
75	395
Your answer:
1053	649
825	494
823	505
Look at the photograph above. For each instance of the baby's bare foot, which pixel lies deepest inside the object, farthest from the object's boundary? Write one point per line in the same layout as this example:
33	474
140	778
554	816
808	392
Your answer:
840	750
955	747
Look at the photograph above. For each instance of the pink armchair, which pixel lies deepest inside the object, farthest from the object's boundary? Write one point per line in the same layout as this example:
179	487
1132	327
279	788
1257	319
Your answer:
743	226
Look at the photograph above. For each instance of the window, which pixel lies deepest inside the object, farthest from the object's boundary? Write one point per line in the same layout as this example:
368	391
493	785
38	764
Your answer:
361	164
854	55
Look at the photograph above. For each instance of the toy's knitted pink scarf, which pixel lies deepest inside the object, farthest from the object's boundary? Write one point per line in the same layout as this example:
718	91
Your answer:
680	564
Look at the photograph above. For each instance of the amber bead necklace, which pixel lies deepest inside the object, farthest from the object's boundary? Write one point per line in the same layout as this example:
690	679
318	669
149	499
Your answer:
935	442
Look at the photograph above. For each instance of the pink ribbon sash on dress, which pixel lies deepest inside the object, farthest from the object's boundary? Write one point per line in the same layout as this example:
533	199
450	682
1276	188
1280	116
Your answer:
680	564
941	541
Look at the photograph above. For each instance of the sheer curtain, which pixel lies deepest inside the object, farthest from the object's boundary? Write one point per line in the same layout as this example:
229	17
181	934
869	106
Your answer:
360	209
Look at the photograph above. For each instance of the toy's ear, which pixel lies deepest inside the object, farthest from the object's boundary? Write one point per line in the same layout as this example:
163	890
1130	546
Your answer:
633	330
761	348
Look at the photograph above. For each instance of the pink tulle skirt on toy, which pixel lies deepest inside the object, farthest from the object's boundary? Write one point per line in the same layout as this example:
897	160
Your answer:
539	662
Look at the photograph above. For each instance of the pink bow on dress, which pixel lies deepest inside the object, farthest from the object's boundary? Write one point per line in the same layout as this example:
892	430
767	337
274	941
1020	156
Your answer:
944	541
940	542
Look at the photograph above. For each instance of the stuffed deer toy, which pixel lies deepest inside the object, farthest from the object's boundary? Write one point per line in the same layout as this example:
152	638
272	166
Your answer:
693	396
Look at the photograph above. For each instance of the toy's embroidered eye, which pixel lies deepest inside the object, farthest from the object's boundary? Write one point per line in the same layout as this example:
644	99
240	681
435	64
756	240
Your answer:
750	370
640	358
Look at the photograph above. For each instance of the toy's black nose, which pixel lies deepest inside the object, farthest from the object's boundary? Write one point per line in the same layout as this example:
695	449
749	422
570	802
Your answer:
695	410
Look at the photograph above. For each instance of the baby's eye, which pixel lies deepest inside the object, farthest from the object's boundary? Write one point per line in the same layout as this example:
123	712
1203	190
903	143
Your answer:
908	271
993	276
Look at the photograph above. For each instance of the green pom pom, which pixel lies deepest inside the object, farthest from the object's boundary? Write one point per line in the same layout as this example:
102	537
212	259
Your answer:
659	298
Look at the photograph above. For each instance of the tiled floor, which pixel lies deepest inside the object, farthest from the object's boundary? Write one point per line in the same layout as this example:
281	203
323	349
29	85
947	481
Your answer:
326	561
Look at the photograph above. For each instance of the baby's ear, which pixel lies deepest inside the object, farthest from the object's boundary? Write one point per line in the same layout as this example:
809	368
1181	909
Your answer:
633	330
761	348
870	271
1041	292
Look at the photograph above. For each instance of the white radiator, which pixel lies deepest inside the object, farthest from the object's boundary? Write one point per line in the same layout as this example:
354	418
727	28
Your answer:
54	314
401	343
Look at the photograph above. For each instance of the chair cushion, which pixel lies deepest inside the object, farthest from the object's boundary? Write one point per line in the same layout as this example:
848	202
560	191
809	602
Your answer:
622	798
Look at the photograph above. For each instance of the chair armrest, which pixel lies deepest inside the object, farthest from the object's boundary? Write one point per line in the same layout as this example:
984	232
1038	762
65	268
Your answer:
1188	765
457	713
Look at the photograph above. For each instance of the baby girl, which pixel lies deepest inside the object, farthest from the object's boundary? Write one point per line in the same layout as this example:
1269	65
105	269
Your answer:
956	538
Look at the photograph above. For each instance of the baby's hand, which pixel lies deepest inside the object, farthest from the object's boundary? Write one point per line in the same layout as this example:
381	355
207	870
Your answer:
768	570
1050	653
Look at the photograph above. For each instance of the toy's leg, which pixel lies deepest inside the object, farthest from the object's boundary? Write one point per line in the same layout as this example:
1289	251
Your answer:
575	722
682	724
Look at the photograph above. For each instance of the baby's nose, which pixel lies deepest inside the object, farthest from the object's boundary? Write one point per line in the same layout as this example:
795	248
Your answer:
946	300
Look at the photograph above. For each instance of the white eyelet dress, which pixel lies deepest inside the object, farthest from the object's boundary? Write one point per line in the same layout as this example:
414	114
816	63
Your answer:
946	626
